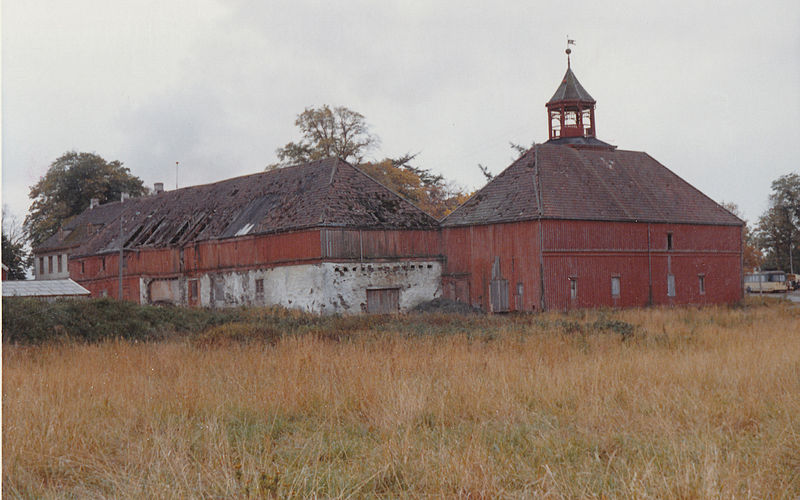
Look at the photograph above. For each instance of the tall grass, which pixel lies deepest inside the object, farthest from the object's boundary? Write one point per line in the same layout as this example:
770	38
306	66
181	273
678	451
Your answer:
683	403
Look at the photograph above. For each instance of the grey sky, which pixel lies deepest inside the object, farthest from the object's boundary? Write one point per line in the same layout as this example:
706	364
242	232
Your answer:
709	89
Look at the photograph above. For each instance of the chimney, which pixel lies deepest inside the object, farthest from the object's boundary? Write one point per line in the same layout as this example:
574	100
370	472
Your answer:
158	187
124	196
93	203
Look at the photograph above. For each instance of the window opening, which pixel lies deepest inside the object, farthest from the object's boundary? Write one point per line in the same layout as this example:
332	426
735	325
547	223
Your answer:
671	285
701	279
192	290
669	241
260	288
573	288
50	264
59	263
41	265
615	286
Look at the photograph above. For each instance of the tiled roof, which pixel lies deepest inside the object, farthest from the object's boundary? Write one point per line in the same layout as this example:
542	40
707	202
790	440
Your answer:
325	193
571	90
43	288
589	184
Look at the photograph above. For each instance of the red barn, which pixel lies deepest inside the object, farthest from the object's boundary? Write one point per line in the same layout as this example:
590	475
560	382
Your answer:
576	222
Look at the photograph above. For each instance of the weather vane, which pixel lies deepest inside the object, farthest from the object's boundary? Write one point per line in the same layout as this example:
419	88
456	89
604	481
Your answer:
569	50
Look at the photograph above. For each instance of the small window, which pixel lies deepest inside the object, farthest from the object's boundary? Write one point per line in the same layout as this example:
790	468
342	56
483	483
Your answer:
41	265
50	264
192	290
260	287
573	288
671	285
701	279
669	241
103	264
83	267
615	286
59	264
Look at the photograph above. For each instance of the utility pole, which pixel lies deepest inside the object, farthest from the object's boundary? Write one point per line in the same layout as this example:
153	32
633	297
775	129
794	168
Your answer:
176	175
121	256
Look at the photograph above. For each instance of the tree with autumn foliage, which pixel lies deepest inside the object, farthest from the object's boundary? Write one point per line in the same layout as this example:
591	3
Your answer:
752	258
429	191
342	133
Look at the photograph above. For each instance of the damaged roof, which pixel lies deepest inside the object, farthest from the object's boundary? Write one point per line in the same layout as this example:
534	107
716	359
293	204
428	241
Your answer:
589	184
324	193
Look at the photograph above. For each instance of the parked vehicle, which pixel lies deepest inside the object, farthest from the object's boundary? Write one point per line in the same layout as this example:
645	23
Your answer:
766	282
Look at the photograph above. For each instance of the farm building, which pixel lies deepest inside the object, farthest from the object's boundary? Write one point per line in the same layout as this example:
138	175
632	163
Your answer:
323	237
576	222
44	289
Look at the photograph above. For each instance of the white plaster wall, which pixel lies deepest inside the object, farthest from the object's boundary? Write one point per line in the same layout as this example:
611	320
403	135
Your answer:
324	288
55	275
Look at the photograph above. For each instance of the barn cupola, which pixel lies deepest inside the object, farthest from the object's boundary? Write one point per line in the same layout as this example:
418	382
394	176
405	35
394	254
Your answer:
570	112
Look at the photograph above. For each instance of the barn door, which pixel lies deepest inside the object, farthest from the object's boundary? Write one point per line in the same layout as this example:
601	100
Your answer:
498	289
383	300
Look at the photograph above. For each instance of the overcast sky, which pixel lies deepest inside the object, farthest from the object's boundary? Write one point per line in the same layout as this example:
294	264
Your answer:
709	89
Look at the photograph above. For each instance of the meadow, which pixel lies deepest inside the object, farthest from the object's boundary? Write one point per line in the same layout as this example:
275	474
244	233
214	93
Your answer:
640	403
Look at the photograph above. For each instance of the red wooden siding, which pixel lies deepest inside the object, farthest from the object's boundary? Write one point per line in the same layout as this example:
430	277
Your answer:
248	252
254	251
355	244
593	253
471	251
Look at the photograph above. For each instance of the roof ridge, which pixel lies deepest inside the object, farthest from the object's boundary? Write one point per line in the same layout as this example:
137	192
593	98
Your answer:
503	173
390	190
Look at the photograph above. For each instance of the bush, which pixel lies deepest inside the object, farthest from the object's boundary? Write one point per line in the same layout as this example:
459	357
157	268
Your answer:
30	321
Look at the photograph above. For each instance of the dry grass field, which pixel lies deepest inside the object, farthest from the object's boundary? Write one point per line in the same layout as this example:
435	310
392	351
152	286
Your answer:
659	403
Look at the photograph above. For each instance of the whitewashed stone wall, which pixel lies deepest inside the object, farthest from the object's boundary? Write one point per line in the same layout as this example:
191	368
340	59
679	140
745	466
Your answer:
320	288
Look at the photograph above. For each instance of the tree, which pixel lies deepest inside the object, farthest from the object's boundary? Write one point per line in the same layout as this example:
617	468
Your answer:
328	133
15	254
427	190
68	187
779	228
519	149
343	133
752	257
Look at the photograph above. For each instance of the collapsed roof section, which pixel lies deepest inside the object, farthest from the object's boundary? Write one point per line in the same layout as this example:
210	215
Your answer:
325	193
567	182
